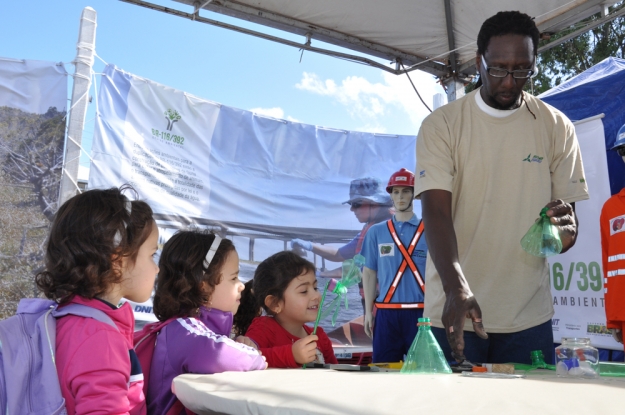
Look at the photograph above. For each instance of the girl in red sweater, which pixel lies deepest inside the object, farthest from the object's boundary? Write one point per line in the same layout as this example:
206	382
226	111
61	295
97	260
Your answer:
101	248
285	287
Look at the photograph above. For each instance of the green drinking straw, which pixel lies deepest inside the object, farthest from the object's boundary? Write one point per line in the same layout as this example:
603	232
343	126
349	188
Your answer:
323	297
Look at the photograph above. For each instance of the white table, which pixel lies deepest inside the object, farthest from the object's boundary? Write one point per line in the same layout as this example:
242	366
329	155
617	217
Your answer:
323	391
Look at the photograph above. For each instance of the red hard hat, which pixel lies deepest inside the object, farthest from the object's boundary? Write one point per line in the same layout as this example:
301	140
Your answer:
402	177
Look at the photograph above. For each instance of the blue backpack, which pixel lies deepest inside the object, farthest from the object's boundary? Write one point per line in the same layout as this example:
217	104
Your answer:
29	384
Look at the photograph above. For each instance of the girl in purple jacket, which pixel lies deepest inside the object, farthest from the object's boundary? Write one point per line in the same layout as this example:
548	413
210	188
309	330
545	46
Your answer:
198	283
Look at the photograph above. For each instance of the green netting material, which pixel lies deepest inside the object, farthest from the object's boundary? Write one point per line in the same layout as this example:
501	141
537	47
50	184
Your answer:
543	238
352	275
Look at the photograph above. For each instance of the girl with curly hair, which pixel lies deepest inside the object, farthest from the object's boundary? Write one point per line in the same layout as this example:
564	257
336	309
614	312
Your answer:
100	249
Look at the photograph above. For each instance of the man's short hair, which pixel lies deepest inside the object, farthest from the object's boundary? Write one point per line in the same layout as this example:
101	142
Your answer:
507	23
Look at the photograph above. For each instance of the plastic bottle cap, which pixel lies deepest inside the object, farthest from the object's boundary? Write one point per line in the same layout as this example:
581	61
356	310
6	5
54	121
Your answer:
479	369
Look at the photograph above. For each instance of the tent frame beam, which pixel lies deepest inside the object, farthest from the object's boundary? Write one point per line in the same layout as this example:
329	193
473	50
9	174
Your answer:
469	66
321	34
598	22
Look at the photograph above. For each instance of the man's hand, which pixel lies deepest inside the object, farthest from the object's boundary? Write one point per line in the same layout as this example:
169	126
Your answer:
300	243
461	304
617	335
369	324
305	349
563	216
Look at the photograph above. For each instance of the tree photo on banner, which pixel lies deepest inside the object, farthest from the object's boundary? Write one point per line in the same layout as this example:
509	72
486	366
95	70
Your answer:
257	180
32	132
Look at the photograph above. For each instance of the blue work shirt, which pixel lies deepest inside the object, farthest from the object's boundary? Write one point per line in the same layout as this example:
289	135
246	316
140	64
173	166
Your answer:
348	251
386	261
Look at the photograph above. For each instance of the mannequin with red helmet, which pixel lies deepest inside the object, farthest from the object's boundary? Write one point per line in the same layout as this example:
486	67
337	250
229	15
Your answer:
401	178
395	253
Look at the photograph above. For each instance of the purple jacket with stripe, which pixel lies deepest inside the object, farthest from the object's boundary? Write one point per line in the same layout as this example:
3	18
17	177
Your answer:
195	345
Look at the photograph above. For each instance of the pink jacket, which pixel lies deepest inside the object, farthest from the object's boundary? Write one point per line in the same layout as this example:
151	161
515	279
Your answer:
97	366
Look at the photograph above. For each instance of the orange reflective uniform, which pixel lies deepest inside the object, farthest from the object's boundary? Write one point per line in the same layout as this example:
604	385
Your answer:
613	255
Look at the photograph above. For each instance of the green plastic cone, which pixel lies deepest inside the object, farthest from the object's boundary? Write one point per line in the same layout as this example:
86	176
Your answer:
425	355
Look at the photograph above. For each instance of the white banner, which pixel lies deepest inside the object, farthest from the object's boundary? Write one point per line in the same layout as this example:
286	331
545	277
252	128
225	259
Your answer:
261	181
576	276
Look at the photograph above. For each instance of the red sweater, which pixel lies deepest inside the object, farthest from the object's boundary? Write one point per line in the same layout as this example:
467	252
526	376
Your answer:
613	255
276	343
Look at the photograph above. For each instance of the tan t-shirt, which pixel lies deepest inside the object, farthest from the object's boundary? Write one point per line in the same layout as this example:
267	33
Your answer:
501	173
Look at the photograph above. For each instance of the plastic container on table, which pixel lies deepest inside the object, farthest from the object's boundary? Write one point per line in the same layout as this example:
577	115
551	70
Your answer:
425	355
576	358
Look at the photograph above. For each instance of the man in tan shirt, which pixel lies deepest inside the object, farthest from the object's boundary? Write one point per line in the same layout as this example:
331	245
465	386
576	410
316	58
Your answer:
486	165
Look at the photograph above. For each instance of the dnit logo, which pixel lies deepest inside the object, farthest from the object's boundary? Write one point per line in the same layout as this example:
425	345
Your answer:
534	159
172	117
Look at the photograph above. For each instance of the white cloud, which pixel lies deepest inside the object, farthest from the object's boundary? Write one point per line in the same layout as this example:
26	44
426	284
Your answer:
371	102
275	112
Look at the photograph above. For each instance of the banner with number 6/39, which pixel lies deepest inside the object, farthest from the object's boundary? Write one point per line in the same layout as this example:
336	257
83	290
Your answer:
576	276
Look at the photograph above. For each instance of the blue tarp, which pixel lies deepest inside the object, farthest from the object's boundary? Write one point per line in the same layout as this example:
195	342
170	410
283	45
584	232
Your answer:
600	89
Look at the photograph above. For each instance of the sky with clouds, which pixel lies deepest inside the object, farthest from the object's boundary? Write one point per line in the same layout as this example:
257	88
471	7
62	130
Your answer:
221	65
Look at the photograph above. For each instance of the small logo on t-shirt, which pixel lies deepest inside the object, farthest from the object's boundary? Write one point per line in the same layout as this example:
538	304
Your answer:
386	249
534	158
617	224
422	173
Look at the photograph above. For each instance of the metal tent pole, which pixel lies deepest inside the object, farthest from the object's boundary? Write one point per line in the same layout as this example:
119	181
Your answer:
85	49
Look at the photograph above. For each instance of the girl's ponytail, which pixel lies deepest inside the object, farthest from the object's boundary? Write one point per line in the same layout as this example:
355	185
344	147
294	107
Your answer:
249	308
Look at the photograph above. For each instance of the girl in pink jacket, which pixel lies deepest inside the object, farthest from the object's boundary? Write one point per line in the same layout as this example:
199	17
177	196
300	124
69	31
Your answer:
100	249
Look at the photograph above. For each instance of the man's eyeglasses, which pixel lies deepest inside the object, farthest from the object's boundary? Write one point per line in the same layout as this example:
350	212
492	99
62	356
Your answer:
502	73
356	205
621	151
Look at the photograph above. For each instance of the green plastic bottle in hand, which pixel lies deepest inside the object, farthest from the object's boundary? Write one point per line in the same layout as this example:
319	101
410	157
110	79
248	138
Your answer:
543	238
425	355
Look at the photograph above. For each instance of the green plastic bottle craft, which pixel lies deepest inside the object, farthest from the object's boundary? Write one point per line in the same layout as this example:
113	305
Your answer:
543	238
352	275
425	355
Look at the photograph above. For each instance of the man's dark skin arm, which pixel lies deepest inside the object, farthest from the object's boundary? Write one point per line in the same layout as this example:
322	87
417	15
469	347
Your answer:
443	248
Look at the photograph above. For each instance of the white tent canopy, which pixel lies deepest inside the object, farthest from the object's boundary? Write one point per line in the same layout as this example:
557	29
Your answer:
438	37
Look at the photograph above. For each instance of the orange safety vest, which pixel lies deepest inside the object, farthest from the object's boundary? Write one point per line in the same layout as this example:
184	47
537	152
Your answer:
407	262
613	255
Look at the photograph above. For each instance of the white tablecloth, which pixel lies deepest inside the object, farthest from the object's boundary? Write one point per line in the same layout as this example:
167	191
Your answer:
323	391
